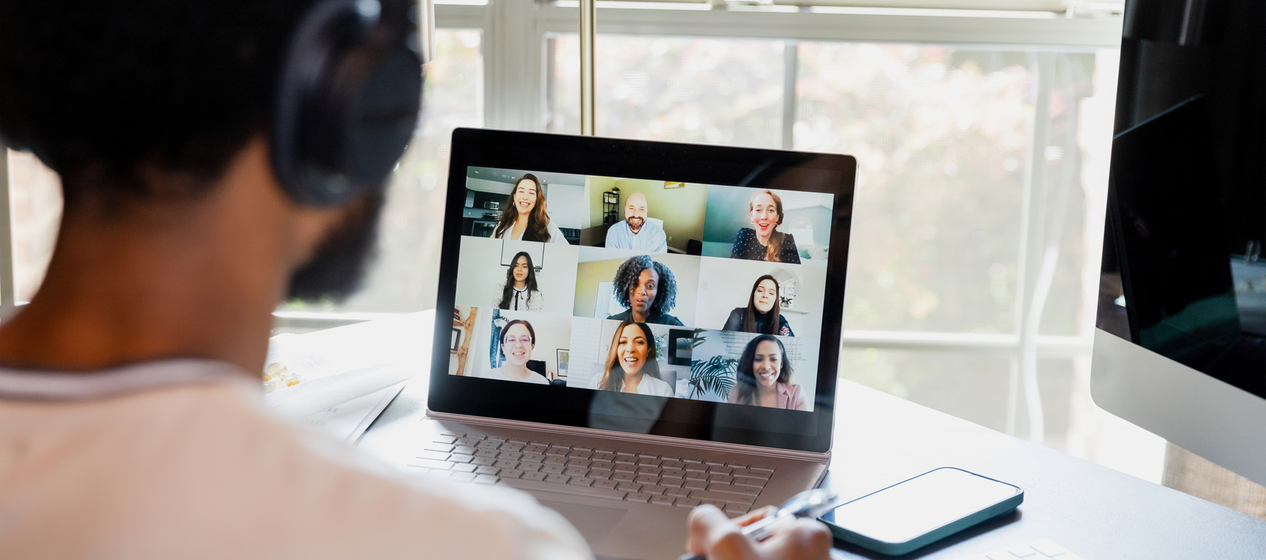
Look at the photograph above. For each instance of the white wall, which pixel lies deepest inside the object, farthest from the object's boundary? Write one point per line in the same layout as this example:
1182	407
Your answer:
566	205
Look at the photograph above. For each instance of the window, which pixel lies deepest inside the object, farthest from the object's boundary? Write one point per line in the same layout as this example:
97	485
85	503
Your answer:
982	128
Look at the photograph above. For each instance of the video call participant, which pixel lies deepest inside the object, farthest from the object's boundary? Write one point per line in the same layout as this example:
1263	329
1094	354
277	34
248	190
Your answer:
177	241
523	216
763	241
518	338
764	377
632	366
762	314
648	289
519	292
636	232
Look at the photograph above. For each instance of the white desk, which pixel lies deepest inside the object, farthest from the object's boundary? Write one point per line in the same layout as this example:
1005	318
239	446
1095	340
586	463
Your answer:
1092	511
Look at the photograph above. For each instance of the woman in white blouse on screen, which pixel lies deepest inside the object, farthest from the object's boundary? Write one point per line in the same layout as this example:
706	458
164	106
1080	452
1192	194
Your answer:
631	365
523	216
519	292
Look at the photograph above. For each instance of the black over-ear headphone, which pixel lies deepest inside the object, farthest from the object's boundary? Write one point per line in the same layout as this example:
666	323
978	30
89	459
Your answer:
347	102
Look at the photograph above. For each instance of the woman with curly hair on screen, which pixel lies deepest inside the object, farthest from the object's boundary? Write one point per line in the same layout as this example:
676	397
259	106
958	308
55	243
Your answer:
631	365
523	216
764	377
648	289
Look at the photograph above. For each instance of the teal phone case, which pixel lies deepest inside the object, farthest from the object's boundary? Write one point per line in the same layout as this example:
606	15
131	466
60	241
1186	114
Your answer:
899	548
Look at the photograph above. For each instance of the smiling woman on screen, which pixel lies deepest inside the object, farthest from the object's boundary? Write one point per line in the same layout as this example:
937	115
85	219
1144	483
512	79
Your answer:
762	314
523	216
631	365
763	241
764	377
517	341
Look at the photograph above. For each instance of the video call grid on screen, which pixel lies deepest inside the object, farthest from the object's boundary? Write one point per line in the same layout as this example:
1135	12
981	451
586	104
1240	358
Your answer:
709	268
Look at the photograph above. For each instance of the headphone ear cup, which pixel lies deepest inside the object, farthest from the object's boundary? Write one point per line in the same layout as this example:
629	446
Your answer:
346	105
382	118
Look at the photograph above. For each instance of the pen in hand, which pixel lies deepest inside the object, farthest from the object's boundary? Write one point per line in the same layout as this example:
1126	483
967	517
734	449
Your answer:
805	505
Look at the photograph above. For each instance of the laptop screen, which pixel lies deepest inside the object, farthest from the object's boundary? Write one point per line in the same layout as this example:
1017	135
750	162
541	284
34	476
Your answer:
644	298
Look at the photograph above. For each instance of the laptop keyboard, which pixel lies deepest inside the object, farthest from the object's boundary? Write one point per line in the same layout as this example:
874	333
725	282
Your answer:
594	472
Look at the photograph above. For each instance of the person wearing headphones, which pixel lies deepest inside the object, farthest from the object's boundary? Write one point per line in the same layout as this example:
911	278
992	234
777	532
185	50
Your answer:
215	160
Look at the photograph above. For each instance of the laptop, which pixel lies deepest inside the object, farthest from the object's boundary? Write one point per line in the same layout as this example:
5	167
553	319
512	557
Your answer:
636	328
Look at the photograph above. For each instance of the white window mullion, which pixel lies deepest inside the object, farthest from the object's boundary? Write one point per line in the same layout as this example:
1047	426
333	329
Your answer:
791	65
8	276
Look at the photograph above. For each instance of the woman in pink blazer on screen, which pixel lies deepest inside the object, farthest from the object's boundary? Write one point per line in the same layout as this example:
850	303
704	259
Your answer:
764	377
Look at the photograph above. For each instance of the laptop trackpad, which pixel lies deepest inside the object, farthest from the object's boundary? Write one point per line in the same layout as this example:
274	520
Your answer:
595	523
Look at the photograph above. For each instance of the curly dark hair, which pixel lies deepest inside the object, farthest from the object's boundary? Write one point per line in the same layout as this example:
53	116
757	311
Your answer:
105	93
626	280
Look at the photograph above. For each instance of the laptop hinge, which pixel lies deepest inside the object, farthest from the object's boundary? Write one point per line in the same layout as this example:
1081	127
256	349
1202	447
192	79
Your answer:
638	438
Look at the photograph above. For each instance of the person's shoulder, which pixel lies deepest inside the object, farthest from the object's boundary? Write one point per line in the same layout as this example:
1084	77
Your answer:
666	319
795	396
537	379
556	234
745	232
616	234
658	387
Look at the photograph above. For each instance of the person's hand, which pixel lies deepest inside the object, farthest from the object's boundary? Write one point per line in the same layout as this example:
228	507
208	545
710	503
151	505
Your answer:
716	536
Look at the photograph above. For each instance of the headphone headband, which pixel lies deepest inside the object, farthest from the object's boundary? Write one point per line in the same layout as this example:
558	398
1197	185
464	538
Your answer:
347	101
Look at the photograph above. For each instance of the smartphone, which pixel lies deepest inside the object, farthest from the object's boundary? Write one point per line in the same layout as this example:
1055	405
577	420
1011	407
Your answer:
922	510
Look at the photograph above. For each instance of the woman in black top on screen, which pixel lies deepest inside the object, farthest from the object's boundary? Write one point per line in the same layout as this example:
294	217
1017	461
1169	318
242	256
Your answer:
762	314
648	289
763	241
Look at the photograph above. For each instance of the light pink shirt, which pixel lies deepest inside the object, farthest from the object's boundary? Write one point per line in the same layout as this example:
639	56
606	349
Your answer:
789	397
203	470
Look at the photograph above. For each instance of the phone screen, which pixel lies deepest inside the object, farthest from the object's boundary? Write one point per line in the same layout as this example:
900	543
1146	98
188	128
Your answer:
902	512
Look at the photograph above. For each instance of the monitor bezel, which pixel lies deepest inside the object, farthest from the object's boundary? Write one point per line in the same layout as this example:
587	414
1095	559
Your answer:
712	165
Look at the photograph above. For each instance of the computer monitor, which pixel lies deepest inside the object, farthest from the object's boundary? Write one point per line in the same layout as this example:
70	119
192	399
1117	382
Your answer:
1180	339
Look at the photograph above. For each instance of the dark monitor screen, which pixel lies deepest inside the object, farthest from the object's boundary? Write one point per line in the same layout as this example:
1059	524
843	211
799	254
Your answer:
1183	271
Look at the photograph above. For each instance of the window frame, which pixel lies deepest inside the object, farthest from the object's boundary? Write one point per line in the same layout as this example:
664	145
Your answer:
514	43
